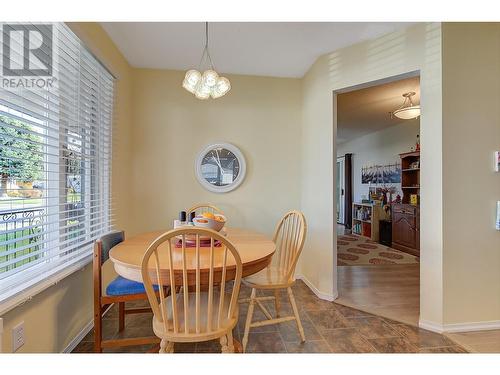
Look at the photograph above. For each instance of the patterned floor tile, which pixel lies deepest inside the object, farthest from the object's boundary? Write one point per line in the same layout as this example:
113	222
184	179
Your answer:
347	340
290	333
393	345
265	342
373	327
185	347
328	327
328	319
445	349
258	315
423	338
349	312
212	346
310	346
312	302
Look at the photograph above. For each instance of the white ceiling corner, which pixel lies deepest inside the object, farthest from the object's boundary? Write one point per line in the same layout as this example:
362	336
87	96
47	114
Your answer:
278	49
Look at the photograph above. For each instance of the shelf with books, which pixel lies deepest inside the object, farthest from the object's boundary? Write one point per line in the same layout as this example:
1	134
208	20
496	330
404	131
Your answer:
365	219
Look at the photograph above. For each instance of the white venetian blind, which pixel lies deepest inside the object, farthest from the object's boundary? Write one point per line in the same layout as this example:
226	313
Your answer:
55	164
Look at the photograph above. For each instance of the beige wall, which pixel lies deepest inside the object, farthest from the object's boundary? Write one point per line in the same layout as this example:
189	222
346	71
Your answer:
55	316
471	133
260	115
415	49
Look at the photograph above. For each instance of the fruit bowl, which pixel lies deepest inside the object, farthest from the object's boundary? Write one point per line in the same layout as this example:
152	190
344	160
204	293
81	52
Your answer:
216	223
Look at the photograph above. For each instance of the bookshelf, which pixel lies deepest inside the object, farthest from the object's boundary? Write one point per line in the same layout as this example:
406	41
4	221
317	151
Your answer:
410	175
365	220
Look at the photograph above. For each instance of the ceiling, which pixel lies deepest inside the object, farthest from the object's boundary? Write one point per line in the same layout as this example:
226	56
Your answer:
364	111
278	49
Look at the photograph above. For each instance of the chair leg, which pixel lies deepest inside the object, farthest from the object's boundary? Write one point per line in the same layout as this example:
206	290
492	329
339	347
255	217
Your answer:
226	343
163	346
170	347
97	330
166	346
296	313
249	319
277	302
223	344
121	316
230	342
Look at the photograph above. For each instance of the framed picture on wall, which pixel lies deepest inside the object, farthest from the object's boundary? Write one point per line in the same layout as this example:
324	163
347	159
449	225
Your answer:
381	174
497	161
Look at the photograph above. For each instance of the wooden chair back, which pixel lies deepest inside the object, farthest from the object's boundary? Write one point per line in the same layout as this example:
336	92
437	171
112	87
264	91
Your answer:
102	248
289	238
205	207
196	268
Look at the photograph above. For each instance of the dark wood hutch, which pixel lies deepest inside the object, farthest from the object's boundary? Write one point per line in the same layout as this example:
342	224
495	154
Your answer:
406	215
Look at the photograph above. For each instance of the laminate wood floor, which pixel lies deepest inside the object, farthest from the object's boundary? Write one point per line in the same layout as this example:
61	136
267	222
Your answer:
391	291
478	341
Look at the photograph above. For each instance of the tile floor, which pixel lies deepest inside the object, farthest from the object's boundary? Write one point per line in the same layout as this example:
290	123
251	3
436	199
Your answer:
329	328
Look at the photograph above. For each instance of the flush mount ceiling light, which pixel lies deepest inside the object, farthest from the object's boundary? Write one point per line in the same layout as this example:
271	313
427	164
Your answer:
408	110
207	84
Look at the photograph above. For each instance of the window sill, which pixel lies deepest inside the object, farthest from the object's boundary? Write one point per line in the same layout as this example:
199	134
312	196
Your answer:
41	283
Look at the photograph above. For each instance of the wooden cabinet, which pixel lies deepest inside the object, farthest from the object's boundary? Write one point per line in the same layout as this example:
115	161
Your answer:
410	175
406	228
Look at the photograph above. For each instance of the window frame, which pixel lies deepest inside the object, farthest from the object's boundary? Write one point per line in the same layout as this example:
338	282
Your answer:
58	271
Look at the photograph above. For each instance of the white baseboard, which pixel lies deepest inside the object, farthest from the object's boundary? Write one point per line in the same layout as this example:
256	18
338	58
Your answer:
472	326
79	337
325	296
459	327
430	326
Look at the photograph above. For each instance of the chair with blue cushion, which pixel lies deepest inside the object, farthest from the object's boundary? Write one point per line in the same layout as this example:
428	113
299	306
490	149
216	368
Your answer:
119	291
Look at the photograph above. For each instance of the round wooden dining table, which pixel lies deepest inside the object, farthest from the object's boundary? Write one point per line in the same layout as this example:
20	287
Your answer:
255	249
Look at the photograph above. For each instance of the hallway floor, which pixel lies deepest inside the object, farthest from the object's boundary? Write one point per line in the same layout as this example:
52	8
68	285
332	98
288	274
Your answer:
392	291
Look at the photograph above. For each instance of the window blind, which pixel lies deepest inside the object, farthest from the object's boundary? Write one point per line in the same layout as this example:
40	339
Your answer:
55	161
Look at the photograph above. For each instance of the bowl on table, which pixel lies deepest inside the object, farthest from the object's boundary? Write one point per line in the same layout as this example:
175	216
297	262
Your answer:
216	223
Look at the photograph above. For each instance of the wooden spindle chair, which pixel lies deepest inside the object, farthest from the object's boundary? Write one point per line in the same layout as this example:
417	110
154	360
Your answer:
200	308
118	291
205	207
289	238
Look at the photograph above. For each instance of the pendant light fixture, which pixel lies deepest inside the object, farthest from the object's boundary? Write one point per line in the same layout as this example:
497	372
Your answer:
408	110
207	84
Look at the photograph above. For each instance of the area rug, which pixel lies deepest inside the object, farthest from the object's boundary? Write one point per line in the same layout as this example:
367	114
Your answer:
353	250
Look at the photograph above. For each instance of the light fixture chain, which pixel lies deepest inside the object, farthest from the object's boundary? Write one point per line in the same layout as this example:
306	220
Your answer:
206	35
206	53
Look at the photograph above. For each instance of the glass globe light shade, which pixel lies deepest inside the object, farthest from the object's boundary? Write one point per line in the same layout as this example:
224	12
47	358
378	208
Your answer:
188	87
209	78
193	76
202	91
191	80
221	88
408	113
